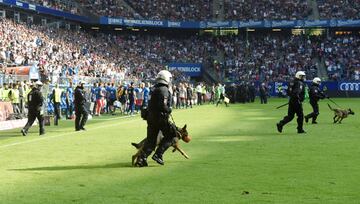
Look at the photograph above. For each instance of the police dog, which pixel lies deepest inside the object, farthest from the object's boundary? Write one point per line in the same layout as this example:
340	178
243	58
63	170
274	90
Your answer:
341	114
180	134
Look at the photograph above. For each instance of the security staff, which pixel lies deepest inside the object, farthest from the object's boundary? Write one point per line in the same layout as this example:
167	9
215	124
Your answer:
5	93
14	96
35	103
315	95
81	112
296	92
158	119
56	99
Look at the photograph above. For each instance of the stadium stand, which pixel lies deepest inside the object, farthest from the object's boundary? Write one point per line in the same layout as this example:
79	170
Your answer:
339	9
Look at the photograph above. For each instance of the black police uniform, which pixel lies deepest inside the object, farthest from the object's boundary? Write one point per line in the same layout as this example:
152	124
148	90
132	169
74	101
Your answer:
189	94
263	94
35	103
157	120
296	92
80	110
315	95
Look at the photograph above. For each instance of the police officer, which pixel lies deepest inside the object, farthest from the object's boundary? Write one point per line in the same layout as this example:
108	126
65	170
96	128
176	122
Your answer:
315	95
35	103
56	98
263	94
158	119
296	92
81	113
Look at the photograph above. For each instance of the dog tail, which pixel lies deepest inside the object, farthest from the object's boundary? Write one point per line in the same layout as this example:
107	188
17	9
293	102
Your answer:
330	107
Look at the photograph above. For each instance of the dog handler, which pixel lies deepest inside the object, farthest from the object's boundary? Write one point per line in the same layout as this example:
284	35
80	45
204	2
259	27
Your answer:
158	119
315	95
296	92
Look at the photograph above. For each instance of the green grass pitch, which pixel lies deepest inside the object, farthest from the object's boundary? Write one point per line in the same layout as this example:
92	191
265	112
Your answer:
236	156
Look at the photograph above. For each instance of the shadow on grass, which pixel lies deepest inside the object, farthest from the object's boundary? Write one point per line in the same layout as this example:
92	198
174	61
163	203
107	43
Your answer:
83	167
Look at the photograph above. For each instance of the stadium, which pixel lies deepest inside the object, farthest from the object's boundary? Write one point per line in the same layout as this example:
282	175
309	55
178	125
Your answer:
173	101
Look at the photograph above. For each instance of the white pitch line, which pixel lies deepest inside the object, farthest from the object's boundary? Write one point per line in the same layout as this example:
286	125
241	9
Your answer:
54	136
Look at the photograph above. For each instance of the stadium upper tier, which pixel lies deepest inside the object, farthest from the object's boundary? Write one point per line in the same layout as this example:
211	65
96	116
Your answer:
210	10
140	55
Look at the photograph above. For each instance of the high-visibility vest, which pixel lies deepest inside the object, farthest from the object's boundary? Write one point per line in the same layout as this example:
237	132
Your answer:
6	95
15	94
57	95
1	93
28	89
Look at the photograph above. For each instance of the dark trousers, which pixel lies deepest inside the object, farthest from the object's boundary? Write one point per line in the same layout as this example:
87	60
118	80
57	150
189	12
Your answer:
154	126
294	108
315	112
56	113
69	109
81	115
199	100
32	116
263	99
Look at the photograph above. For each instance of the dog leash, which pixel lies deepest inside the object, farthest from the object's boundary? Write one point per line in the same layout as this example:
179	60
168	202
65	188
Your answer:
334	103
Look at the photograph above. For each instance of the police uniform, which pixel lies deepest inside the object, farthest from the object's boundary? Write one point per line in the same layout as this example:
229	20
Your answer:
80	110
315	95
263	94
158	120
56	97
296	92
35	103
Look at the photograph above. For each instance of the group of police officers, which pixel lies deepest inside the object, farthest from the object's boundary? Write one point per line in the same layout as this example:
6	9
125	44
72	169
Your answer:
35	101
159	110
296	93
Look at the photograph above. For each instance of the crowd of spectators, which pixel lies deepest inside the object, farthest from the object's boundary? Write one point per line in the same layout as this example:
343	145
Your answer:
339	9
173	9
270	57
61	53
265	9
342	57
107	8
192	10
62	5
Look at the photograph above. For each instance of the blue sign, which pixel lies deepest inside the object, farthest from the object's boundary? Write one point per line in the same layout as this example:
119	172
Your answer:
192	70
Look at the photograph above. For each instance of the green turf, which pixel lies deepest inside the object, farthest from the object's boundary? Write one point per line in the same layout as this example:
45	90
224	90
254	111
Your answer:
236	157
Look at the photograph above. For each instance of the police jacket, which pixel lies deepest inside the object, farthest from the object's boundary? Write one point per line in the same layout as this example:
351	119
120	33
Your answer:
35	100
263	90
296	91
315	93
159	104
79	96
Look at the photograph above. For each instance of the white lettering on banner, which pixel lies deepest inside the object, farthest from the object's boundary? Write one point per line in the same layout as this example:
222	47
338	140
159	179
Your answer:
115	21
348	22
32	7
174	24
218	24
19	4
282	23
316	23
186	69
144	22
350	86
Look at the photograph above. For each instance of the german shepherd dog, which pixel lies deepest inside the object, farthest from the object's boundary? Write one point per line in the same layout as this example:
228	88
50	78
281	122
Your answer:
341	114
180	134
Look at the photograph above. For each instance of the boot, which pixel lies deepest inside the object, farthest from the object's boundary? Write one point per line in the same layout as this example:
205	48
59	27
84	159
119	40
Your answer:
279	127
158	159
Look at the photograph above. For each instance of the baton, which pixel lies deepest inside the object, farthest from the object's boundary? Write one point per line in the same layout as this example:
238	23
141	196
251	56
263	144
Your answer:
283	105
334	102
172	119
